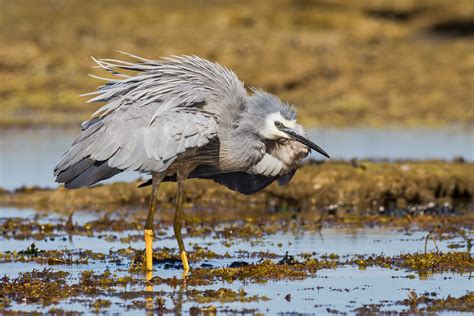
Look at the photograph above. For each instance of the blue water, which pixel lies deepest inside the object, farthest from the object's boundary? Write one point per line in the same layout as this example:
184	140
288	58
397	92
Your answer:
396	144
27	157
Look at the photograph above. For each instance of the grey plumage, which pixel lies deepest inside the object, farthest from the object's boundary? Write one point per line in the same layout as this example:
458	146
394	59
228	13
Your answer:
184	114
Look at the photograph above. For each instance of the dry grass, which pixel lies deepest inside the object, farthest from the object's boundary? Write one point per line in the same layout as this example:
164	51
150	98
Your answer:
342	63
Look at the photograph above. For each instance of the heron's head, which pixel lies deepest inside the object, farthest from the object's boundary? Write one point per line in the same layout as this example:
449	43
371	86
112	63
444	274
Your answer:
275	120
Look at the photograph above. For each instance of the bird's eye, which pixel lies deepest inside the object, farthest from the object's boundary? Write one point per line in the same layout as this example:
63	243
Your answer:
278	124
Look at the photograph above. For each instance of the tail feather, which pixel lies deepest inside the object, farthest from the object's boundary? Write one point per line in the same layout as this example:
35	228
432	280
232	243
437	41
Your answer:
86	172
77	172
73	171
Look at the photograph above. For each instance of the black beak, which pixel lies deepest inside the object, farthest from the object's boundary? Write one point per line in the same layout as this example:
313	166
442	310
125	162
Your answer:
293	134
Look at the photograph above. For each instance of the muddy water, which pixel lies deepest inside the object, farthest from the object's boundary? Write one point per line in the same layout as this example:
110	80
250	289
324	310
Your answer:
27	157
344	288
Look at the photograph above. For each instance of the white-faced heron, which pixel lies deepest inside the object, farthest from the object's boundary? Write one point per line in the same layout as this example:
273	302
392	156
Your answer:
184	117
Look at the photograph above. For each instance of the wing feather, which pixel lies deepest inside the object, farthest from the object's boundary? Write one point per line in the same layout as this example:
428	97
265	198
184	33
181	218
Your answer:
128	142
188	79
150	118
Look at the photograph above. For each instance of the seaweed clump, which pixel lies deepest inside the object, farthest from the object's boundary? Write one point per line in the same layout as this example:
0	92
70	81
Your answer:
260	272
423	263
43	287
425	304
421	304
51	257
464	303
265	270
223	295
48	287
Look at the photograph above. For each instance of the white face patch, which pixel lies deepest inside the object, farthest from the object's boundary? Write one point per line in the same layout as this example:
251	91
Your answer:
270	131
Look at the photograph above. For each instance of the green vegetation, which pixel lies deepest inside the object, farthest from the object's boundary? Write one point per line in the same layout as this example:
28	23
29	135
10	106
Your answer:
341	62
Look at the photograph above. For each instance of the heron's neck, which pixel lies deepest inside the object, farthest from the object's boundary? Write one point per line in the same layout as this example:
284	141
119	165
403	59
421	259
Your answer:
240	149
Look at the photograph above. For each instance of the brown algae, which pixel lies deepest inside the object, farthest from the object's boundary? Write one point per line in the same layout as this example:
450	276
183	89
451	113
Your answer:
377	189
222	295
424	263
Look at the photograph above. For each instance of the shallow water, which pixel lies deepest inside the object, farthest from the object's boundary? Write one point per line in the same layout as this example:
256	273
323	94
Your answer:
342	241
343	289
27	157
396	144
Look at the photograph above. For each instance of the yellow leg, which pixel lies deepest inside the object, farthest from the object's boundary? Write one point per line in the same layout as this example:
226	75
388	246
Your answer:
184	259
148	233
149	249
177	222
